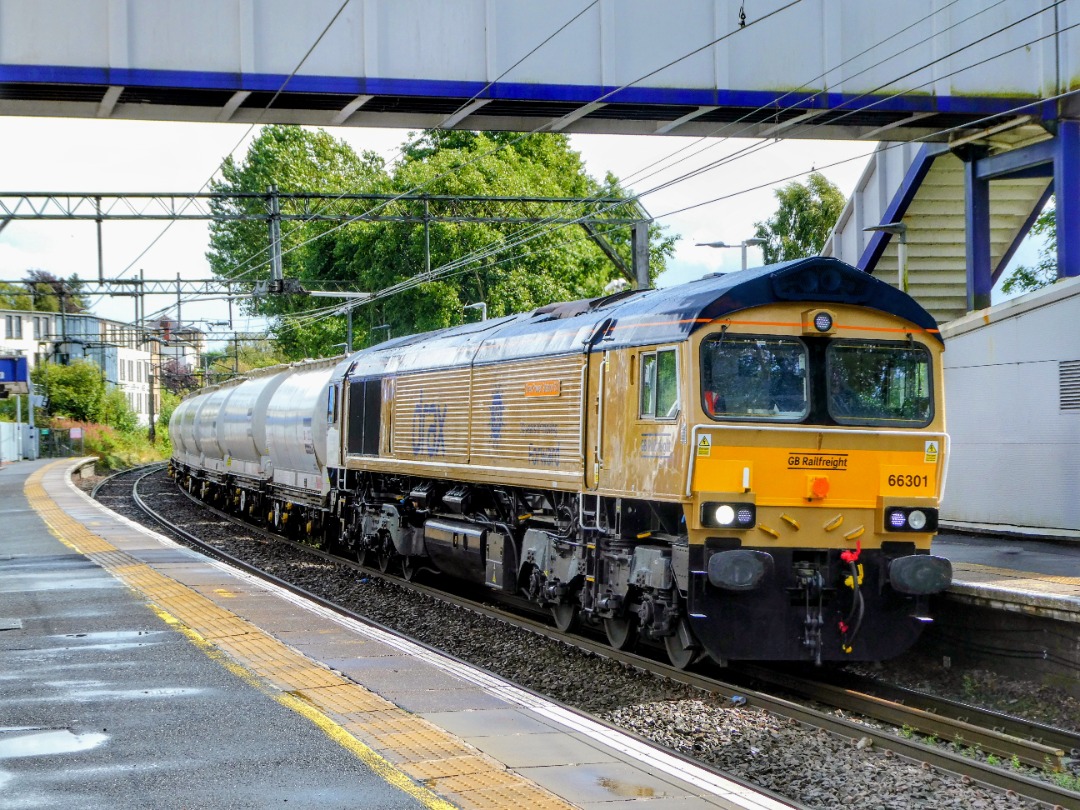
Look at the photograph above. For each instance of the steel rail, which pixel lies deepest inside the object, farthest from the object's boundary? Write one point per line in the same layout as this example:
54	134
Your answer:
994	732
911	750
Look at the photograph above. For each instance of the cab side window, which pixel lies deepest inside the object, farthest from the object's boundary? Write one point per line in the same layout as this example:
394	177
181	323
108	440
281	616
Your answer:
659	385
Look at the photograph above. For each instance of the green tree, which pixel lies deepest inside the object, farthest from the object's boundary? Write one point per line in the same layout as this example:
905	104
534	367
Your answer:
1045	272
493	264
42	291
296	160
14	296
802	222
561	264
167	404
76	391
116	412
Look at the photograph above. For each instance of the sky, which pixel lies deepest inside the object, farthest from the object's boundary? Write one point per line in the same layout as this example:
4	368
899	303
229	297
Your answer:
116	156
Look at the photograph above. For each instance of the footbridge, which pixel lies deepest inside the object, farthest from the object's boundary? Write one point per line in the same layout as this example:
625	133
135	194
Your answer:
978	101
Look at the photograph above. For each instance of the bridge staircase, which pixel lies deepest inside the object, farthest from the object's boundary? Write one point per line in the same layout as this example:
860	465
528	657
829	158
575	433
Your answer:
923	187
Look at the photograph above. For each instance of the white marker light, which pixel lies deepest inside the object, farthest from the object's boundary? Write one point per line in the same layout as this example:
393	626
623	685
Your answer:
725	515
917	519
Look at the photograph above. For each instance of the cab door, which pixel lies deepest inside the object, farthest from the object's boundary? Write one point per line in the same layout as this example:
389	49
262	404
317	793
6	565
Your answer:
595	409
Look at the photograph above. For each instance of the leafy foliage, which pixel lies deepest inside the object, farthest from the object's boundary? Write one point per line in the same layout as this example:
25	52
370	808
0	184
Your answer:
560	263
802	222
42	291
177	377
76	391
1045	272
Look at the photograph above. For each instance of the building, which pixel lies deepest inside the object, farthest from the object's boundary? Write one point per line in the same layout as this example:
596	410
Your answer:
1012	380
126	355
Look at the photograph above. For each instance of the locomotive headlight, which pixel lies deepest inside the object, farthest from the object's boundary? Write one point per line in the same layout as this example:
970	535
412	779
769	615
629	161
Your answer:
725	515
917	519
728	515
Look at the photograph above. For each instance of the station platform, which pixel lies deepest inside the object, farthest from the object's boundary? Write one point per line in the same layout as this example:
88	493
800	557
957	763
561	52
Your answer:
139	673
1036	578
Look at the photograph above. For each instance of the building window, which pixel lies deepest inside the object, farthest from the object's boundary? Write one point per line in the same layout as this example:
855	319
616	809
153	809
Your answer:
121	365
14	327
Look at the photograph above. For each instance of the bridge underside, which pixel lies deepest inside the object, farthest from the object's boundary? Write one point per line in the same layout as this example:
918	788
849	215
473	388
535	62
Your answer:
174	96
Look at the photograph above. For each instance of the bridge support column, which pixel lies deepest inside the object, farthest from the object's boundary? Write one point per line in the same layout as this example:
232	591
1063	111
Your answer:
1067	197
977	217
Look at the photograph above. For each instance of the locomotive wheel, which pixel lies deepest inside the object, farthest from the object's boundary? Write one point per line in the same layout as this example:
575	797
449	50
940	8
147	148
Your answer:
409	568
681	646
565	616
384	560
361	555
621	632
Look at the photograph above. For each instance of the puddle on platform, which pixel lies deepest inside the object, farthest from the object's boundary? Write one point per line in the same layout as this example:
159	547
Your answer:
621	788
48	742
113	635
135	694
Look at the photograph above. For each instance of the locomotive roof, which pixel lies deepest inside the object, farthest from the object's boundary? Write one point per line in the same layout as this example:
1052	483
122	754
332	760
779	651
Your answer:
637	318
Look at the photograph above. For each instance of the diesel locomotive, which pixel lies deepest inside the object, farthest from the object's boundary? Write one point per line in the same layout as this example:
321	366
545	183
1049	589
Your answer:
747	466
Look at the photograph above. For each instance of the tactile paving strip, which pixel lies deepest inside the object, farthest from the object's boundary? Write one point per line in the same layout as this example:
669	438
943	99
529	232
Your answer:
358	719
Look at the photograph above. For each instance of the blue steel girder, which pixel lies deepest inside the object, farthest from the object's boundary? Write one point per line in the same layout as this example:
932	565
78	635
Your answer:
977	228
1058	157
1067	190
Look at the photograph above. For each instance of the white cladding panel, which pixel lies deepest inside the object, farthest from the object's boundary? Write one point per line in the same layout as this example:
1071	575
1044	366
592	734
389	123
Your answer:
1015	452
296	422
815	45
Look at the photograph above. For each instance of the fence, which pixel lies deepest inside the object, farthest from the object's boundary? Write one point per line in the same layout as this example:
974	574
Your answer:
10	439
60	443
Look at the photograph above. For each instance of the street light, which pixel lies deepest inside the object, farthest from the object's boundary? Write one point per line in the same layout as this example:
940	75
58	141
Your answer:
898	229
385	326
480	305
743	245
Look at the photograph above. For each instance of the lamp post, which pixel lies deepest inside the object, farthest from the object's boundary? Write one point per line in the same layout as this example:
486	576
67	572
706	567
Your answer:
385	326
743	245
898	229
480	305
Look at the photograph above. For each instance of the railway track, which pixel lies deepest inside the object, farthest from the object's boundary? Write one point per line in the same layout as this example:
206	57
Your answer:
934	732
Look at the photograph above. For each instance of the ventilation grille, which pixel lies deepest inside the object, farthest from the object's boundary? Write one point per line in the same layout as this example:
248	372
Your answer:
1069	383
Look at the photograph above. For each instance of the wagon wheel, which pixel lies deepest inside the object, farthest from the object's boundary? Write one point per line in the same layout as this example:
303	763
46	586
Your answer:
565	616
384	560
681	646
622	632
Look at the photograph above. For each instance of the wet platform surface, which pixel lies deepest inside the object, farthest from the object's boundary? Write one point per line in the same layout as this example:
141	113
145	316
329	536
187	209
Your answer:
138	673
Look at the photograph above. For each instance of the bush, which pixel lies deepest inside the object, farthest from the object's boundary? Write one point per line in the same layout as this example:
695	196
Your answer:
117	449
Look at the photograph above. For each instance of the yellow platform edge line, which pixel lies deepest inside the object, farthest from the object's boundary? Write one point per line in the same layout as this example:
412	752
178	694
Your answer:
53	516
